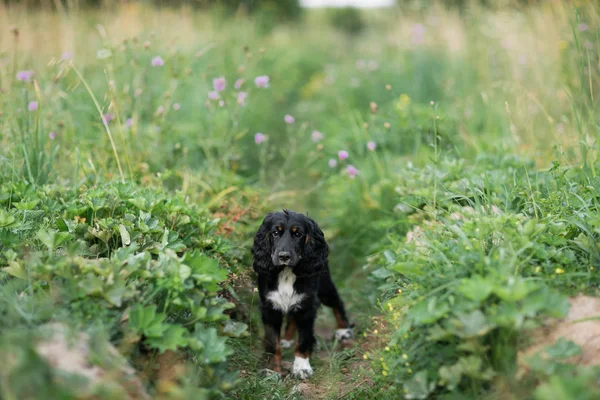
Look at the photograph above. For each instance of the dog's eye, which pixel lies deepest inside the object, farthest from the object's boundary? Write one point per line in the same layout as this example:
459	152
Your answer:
297	234
275	233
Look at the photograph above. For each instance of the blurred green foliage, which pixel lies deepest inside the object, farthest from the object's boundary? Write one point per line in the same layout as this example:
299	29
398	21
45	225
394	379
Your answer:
347	19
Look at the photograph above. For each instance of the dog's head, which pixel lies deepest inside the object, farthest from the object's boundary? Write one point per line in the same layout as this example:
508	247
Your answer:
289	239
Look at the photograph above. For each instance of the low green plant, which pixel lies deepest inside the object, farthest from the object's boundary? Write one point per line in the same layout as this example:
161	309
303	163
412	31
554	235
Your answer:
144	267
482	266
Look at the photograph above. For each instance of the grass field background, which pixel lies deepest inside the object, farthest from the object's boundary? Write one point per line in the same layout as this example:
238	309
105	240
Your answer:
449	156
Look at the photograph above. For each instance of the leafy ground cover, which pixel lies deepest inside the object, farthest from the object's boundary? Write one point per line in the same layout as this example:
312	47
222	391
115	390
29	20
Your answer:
450	158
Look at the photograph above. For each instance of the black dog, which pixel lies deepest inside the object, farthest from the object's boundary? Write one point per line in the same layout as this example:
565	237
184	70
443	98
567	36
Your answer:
290	258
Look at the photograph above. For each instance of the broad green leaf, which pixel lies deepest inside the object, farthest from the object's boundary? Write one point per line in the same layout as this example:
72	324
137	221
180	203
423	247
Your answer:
563	349
234	328
473	324
514	289
418	387
184	272
548	301
438	334
115	295
508	315
205	269
62	225
428	311
382	273
15	269
214	348
91	285
472	366
476	288
451	375
47	238
125	238
26	205
170	339
145	320
407	268
7	220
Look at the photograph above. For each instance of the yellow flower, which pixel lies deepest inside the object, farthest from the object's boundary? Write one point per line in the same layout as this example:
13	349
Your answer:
365	334
405	356
376	331
403	102
387	348
591	268
366	357
399	290
384	373
407	364
538	270
410	370
381	359
563	44
559	271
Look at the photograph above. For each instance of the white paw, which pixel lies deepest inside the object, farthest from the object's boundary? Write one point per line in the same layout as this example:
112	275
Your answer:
301	368
344	334
286	344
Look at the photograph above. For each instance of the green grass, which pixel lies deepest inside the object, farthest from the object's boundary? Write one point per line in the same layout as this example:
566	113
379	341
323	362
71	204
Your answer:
129	198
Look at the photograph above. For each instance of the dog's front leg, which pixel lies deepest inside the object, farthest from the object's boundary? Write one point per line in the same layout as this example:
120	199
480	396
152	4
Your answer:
272	320
305	323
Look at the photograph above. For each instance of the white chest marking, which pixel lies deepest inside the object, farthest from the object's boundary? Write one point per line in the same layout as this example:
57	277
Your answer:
285	298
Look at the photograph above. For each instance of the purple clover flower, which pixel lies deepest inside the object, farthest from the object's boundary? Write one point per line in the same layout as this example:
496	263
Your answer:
317	136
158	61
352	171
262	81
241	98
24	76
259	138
219	84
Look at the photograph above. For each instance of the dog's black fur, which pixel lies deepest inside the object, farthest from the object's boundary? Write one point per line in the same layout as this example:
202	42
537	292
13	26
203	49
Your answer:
291	240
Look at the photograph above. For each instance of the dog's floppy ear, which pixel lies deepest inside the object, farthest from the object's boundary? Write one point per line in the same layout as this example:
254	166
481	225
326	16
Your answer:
261	249
316	251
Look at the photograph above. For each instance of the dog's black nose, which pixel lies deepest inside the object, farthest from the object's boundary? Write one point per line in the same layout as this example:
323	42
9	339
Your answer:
284	256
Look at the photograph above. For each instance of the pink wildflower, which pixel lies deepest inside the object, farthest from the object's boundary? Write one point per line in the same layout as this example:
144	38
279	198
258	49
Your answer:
352	171
343	154
317	136
371	145
241	98
332	163
24	76
219	84
262	81
289	119
158	61
259	138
